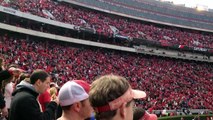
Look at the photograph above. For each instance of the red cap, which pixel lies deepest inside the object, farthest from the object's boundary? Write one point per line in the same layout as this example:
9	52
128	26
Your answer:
84	84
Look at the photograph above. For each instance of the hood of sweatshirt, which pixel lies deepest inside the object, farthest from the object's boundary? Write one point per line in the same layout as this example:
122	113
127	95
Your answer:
25	86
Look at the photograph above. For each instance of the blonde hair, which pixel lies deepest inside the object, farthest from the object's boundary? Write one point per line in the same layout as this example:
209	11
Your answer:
105	89
53	91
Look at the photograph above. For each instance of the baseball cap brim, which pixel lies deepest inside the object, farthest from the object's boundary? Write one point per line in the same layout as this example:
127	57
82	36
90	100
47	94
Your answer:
16	69
137	94
126	97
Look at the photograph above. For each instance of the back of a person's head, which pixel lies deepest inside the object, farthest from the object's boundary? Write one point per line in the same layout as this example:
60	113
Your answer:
73	92
105	89
141	114
22	76
5	75
38	75
138	113
53	91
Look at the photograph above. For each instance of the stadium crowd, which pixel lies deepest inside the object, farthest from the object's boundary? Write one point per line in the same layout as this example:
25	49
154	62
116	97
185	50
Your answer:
169	83
109	25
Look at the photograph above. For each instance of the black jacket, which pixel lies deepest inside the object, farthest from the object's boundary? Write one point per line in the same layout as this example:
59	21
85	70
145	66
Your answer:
2	102
24	105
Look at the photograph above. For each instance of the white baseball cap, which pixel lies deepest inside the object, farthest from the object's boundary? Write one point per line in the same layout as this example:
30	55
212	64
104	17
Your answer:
73	91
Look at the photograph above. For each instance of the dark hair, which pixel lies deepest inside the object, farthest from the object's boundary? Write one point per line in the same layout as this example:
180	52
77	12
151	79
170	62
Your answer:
138	113
22	77
5	74
68	106
65	108
38	74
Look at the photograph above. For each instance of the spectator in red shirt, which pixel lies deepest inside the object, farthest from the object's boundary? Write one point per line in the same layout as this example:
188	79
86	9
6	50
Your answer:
44	99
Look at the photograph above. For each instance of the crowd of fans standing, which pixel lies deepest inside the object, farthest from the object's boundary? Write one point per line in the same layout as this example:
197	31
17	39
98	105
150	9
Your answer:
168	82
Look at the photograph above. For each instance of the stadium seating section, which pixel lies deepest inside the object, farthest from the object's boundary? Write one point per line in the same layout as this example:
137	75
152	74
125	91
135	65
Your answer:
170	82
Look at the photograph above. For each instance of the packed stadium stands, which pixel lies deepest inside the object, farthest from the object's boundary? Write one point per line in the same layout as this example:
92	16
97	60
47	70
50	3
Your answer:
149	11
109	25
170	83
167	81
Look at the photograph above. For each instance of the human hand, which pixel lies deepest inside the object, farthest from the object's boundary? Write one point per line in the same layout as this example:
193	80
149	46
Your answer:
4	112
55	98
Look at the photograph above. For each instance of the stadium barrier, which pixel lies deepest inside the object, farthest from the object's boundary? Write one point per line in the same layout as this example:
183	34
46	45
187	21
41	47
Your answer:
188	117
164	44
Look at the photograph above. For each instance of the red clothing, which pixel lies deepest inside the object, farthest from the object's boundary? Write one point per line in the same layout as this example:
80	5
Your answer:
44	99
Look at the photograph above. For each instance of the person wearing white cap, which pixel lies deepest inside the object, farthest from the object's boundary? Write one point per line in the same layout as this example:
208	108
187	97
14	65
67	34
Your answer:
112	98
73	98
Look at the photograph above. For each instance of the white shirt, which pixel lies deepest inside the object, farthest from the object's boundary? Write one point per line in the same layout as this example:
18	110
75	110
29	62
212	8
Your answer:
8	94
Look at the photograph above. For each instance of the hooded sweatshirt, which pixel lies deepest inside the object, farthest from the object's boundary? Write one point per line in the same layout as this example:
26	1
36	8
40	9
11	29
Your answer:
24	105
